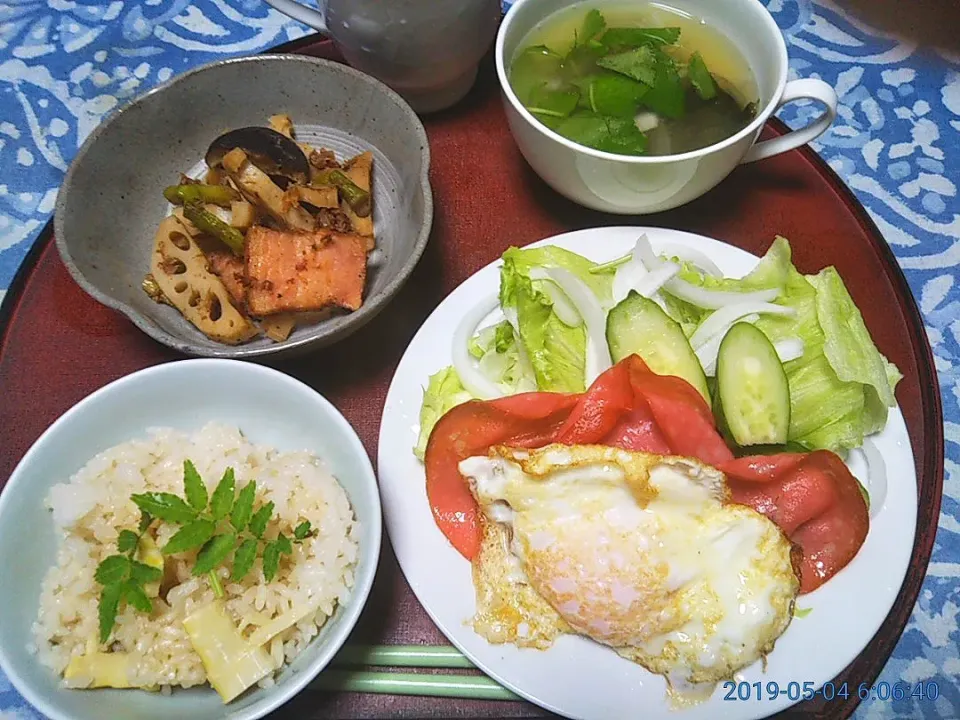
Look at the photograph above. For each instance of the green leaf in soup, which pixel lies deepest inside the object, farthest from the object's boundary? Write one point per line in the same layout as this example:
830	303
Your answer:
553	103
189	537
639	64
620	38
666	96
593	25
613	95
533	68
581	61
700	78
166	506
609	134
214	552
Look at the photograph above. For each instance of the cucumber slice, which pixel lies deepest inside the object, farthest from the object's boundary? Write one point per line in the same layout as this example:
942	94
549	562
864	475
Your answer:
752	387
638	325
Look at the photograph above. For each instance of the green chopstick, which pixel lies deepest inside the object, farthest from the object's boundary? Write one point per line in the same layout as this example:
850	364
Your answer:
469	687
339	678
419	656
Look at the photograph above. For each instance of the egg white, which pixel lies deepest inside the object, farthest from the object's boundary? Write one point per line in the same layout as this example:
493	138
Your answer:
640	552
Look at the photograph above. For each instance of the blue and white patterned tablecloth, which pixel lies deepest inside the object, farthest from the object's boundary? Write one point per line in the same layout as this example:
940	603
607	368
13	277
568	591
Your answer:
64	64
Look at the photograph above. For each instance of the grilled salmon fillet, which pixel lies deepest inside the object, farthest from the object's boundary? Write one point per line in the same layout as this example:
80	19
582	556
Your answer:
230	269
302	271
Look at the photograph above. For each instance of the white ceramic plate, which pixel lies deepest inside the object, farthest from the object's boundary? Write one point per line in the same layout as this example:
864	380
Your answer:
577	677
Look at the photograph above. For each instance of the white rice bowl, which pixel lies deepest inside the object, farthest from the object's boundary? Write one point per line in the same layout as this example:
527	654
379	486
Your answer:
91	509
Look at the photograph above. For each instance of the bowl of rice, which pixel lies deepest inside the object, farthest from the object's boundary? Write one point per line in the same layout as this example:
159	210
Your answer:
196	539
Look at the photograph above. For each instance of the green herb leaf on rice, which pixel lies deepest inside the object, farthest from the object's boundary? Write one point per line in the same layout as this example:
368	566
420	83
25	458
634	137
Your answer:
243	559
134	594
214	552
114	569
190	537
258	523
165	506
271	561
107	609
222	501
243	508
127	540
193	487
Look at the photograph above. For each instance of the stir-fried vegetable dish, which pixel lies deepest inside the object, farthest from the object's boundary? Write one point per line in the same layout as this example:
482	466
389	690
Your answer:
275	232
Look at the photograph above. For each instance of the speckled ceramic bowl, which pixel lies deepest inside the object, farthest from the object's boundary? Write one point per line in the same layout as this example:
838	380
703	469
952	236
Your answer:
111	200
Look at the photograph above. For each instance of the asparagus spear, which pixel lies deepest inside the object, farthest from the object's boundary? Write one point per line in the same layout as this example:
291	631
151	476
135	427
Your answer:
217	194
357	198
206	221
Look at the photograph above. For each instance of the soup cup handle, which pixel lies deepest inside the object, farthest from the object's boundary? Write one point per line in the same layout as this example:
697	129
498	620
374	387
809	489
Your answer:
302	13
806	89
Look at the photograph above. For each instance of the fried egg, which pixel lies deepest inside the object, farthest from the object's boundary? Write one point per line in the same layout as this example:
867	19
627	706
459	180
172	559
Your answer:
639	552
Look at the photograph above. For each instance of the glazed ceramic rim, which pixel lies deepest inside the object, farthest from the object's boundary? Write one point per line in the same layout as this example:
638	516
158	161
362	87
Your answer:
316	334
751	129
281	693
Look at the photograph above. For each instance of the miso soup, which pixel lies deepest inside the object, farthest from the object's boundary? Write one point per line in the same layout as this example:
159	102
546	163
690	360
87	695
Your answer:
634	79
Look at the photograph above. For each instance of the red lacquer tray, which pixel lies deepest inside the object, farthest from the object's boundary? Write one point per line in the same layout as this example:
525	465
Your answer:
57	345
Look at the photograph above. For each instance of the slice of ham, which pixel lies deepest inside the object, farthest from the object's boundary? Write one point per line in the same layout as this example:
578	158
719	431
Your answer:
811	496
815	501
627	406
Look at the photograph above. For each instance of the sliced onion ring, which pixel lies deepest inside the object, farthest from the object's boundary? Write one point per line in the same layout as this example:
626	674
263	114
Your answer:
876	476
707	353
566	311
594	317
474	381
650	284
789	349
695	257
723	319
701	297
715	299
627	277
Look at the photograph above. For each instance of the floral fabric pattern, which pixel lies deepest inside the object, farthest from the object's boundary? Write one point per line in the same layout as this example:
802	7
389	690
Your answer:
66	64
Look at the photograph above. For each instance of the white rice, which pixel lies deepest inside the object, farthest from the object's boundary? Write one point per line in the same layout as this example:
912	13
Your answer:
91	509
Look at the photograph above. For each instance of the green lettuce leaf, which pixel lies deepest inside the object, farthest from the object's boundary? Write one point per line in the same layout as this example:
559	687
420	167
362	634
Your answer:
556	351
444	391
773	271
523	260
848	345
841	387
499	358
